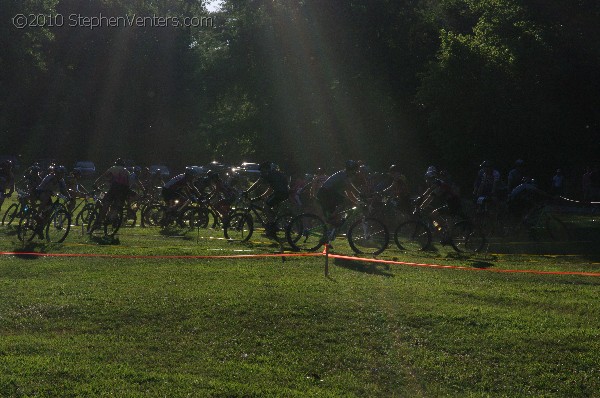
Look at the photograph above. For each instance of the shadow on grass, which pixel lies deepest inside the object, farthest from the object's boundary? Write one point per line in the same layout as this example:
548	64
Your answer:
481	264
27	252
105	240
363	266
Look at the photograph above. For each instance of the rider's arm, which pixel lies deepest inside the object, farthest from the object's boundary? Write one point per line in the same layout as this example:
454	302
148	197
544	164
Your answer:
102	177
62	186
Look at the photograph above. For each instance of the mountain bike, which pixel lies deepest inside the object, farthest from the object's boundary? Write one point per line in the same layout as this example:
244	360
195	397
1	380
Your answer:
15	210
110	223
417	233
239	225
540	222
53	224
365	234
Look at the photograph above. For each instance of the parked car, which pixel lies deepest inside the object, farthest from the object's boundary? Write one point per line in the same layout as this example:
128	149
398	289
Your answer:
249	168
85	167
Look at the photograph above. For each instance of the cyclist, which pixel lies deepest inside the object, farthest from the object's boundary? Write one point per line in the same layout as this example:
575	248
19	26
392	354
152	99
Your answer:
7	180
398	189
515	176
525	197
32	178
180	187
317	181
443	192
336	189
53	182
486	187
222	195
76	190
277	190
118	177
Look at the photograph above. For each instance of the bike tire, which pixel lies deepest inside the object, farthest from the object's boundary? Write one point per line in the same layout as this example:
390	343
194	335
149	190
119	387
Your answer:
154	215
466	238
412	236
112	222
58	225
194	218
368	236
306	232
10	214
83	215
27	226
281	223
239	227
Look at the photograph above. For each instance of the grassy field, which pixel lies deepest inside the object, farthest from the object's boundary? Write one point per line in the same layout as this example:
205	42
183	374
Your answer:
267	327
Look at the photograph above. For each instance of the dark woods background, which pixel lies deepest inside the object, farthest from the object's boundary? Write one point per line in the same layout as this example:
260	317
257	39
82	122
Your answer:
309	83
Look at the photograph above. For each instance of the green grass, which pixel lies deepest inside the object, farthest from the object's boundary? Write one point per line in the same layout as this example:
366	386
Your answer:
267	327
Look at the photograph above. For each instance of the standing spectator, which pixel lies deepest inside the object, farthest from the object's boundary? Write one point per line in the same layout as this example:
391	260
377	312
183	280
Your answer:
558	183
487	181
515	176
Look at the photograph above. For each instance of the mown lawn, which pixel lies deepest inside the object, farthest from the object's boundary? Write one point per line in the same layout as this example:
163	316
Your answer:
264	327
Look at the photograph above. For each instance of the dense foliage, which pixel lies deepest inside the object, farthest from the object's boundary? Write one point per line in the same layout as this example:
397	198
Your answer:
307	82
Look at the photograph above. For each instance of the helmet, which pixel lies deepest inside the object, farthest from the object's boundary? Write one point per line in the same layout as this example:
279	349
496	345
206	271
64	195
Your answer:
352	165
519	162
137	169
119	162
430	174
485	163
431	169
60	170
319	170
7	164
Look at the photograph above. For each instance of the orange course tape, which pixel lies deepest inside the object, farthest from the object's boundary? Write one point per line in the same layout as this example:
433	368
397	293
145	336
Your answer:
157	257
324	253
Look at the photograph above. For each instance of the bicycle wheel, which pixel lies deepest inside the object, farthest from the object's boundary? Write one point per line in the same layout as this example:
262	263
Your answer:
412	236
368	236
112	221
154	215
58	225
194	218
466	238
10	214
83	216
27	226
281	223
306	232
239	227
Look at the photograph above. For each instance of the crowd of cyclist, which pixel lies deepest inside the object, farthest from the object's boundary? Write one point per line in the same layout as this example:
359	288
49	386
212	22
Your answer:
328	193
